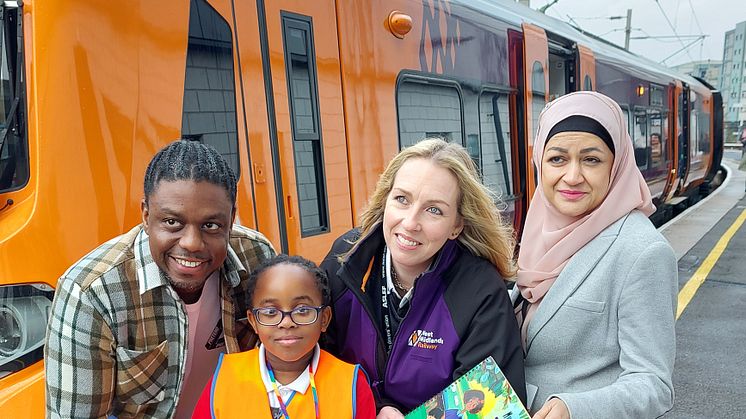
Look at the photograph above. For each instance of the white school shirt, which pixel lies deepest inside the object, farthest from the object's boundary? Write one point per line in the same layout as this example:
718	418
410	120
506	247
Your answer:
299	385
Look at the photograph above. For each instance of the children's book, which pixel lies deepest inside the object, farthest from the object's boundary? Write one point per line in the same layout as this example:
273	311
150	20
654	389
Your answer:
483	392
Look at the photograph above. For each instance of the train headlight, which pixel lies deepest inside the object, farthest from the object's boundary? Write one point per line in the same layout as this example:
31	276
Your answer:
24	312
10	333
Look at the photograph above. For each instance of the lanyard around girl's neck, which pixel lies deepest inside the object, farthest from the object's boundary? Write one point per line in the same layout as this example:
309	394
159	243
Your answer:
276	389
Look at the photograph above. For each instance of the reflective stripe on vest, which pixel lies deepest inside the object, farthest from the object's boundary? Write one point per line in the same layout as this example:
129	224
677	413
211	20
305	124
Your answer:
238	390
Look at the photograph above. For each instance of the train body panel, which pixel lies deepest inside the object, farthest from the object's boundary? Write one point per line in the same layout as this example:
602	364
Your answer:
307	101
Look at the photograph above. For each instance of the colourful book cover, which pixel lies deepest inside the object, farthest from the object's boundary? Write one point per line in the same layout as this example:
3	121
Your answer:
483	392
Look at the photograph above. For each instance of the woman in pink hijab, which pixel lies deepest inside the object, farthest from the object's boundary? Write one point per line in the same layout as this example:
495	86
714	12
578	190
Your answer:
597	282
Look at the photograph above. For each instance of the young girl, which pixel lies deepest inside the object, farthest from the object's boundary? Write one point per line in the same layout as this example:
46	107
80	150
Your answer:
287	376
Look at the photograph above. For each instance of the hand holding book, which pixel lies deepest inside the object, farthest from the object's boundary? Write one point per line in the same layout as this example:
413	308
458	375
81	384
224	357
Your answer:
483	392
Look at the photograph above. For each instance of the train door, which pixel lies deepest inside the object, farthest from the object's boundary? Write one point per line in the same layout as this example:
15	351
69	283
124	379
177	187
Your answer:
658	138
210	112
669	144
698	139
676	134
717	135
682	137
586	68
299	151
536	93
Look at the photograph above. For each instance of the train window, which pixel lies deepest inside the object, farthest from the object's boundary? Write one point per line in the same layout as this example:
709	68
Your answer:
560	74
640	138
495	150
703	126
693	134
300	66
538	89
538	84
428	110
587	83
656	95
658	139
14	159
209	108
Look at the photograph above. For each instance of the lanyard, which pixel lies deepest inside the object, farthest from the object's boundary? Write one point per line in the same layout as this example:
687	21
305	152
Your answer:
283	407
385	303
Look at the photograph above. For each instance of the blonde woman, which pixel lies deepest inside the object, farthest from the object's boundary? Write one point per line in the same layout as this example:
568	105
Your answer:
419	294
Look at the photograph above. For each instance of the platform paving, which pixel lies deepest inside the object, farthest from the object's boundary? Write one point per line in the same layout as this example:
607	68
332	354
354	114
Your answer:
710	371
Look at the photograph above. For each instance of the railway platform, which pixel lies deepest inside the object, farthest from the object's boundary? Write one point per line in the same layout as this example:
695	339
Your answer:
710	242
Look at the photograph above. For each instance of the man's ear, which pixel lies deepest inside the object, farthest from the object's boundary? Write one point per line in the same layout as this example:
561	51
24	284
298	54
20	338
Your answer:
326	318
144	211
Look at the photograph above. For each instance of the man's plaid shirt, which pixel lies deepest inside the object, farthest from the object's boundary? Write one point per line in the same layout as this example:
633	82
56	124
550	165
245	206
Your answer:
117	335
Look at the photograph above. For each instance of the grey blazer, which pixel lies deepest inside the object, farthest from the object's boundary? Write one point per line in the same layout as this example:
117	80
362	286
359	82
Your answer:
603	338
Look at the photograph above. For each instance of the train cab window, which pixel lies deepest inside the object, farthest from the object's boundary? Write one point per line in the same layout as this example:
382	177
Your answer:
209	108
300	66
428	109
14	158
495	149
640	138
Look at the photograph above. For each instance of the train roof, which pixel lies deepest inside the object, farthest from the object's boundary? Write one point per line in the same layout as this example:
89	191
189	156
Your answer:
515	13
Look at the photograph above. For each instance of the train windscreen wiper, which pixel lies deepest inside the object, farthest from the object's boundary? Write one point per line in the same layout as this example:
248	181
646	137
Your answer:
9	123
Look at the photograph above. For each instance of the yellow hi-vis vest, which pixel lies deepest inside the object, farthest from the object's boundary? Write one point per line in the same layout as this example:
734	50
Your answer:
238	390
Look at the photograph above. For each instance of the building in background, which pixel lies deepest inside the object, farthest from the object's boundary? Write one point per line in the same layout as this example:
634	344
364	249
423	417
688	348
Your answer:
707	70
733	82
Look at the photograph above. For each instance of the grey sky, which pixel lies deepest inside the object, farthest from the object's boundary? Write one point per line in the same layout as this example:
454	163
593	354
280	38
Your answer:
714	17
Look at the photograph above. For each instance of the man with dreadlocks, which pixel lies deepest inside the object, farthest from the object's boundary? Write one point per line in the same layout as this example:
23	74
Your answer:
138	324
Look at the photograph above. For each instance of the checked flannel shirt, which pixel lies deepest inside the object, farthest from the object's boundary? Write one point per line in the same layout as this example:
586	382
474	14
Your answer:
117	333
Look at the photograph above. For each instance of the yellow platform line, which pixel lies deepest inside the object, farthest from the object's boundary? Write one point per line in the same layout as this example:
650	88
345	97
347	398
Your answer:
687	293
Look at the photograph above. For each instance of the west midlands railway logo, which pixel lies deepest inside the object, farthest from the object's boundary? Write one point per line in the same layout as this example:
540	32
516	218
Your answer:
425	340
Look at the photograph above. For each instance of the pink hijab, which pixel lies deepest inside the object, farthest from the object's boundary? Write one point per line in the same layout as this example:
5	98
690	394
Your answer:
550	238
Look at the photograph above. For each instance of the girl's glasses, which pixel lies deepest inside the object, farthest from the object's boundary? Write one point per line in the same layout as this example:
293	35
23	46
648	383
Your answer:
303	315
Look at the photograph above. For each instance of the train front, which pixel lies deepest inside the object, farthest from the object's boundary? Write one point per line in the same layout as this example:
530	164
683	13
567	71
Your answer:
25	296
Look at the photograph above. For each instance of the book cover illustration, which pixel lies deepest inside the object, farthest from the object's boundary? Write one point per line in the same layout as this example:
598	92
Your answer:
483	392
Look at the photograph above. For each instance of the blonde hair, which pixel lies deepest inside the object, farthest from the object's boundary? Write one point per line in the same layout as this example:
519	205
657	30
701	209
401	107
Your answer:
486	233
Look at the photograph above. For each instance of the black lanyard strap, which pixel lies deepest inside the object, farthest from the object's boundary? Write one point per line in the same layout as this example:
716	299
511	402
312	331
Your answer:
388	330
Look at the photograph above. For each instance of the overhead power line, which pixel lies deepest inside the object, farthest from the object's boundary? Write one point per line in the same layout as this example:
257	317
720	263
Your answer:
627	29
668	36
696	20
601	18
663	61
674	32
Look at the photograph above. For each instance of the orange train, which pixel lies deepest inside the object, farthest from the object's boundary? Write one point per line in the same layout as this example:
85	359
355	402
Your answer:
306	100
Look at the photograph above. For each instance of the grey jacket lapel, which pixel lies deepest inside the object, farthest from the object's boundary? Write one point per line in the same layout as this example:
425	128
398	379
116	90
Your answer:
571	277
